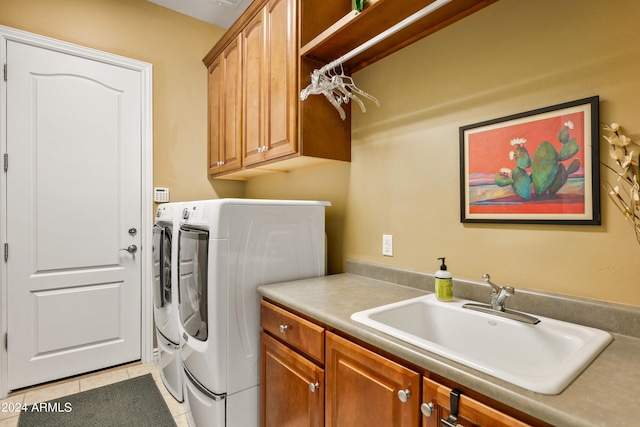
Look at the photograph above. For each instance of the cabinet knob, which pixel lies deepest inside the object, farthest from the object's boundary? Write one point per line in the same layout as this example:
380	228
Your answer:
284	328
314	386
427	409
404	395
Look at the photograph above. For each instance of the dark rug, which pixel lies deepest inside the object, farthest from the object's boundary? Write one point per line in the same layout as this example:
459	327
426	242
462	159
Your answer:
135	402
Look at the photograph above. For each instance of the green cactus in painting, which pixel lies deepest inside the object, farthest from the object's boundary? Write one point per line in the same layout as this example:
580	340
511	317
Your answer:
521	182
548	174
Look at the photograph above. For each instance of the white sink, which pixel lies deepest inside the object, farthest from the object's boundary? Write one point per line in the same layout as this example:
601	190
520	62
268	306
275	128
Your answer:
543	358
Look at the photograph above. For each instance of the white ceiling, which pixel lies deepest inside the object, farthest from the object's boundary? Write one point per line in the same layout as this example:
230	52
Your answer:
216	12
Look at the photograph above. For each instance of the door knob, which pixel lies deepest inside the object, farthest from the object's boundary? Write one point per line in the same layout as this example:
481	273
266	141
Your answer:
132	249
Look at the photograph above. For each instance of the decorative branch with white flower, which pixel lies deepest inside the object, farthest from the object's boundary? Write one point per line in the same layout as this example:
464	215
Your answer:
626	194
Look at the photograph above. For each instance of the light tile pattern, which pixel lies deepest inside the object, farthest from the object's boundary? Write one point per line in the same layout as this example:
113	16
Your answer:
87	382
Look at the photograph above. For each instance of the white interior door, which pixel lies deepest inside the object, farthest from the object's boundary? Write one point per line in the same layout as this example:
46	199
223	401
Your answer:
73	200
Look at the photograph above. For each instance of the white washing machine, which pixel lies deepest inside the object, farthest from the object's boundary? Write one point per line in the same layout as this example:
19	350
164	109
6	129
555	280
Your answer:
165	296
227	248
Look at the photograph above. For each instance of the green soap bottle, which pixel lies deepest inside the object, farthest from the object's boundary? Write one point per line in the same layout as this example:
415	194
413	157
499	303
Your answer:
444	283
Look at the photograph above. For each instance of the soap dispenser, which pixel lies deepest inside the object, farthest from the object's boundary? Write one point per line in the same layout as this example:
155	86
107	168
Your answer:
444	283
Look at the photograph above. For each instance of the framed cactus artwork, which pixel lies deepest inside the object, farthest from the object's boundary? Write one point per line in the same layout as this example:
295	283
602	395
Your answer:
535	167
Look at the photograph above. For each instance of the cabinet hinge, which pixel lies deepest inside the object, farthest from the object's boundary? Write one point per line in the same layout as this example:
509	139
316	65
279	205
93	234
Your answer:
6	341
6	162
6	252
5	72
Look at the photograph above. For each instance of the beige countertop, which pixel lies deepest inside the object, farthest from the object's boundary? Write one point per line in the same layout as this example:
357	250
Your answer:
605	394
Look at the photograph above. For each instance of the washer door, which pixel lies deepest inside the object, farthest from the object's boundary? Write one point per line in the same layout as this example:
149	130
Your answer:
192	272
162	237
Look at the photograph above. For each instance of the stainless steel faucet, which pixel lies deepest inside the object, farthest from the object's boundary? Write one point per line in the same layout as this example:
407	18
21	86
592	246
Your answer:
498	293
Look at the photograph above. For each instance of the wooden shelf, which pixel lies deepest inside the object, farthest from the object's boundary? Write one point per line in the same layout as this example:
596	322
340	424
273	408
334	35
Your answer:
352	30
301	35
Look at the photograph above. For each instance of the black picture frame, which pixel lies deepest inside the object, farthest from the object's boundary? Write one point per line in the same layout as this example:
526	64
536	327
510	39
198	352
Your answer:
550	176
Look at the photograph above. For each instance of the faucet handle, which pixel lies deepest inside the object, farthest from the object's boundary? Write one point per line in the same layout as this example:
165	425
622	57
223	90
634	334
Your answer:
495	288
498	293
501	291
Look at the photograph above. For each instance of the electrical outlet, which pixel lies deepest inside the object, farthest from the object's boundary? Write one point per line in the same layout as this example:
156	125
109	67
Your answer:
387	245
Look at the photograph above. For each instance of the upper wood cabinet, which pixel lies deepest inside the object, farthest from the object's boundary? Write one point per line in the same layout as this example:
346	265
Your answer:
257	123
277	132
270	83
282	78
254	55
225	110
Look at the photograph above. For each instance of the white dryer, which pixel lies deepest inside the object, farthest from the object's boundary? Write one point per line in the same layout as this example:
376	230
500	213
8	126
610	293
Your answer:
227	248
165	296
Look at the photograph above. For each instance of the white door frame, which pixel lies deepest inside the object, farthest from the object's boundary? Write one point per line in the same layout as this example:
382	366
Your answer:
145	70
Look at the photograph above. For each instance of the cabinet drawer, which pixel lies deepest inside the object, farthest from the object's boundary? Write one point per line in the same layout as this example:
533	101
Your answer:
294	330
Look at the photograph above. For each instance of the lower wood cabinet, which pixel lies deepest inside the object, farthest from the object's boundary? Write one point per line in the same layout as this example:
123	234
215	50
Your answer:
292	387
310	376
366	389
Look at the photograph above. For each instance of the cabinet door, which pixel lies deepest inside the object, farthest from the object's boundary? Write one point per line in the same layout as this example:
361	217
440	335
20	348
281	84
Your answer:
255	78
281	88
286	395
471	413
225	108
216	152
363	388
232	105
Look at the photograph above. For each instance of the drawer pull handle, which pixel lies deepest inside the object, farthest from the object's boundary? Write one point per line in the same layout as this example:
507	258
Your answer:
404	395
284	328
314	386
427	409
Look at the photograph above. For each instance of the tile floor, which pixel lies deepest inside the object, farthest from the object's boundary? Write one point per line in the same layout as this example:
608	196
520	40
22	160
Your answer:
87	382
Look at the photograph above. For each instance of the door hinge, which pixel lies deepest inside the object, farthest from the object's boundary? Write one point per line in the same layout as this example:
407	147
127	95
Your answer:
6	252
5	72
6	341
6	162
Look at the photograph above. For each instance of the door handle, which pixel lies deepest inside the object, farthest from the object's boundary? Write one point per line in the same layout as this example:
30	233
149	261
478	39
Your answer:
132	249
